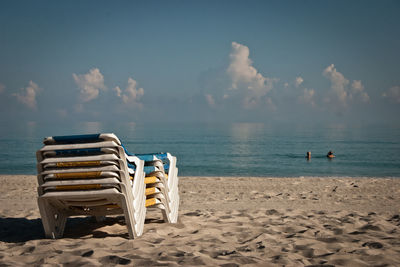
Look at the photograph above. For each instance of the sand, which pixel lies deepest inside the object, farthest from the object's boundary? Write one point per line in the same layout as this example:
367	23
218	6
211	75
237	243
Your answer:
223	222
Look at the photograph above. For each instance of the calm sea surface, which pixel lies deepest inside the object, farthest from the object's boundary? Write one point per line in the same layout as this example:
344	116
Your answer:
241	149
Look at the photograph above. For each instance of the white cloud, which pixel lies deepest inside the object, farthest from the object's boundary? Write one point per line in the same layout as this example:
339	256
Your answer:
2	88
298	81
27	96
210	100
358	91
131	94
308	97
393	94
245	77
118	91
89	84
339	86
338	82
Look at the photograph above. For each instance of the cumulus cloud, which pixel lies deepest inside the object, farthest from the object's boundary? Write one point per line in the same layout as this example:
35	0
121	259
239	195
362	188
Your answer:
338	82
340	86
308	97
298	81
244	77
357	89
131	95
2	88
27	96
89	84
118	91
393	94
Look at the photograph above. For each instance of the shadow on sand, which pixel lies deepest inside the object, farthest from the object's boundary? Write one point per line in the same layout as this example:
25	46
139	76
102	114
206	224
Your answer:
17	230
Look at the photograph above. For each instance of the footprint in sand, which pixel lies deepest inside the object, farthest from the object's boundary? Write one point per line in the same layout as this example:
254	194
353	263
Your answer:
272	212
229	265
28	250
370	227
87	253
375	245
113	259
194	213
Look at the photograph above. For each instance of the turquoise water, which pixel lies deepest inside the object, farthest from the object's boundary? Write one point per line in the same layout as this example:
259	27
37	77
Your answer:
240	149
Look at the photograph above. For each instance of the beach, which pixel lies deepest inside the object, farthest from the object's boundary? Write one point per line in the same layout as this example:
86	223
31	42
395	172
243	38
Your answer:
223	221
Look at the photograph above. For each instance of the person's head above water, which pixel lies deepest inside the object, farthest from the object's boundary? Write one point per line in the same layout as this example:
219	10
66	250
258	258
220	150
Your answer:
308	155
330	154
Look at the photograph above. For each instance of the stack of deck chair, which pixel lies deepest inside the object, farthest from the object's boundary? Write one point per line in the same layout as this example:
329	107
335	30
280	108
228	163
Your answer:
161	184
89	175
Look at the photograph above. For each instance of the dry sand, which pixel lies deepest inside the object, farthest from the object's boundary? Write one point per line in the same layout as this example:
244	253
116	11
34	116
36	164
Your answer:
223	222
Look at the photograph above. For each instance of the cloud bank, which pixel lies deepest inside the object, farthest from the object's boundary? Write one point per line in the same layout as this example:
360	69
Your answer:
236	91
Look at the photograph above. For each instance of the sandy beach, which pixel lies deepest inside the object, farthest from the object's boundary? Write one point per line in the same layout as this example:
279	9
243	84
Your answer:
229	221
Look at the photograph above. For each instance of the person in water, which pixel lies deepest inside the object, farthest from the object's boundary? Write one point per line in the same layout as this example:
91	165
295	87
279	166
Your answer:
330	154
308	156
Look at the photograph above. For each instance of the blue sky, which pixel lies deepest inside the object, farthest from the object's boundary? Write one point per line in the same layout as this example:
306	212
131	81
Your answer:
208	61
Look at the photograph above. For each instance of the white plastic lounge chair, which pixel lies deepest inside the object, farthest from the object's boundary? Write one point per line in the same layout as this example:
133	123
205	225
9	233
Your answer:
162	184
75	167
88	175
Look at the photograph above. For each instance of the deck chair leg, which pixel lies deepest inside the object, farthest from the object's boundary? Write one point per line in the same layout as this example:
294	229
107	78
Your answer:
53	221
141	217
174	213
166	218
129	220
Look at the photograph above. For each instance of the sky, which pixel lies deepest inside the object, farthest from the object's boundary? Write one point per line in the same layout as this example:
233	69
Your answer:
200	61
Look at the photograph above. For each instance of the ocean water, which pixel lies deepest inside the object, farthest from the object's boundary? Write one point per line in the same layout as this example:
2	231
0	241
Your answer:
238	149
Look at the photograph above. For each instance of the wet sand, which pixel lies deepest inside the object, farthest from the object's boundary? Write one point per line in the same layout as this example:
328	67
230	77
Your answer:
223	222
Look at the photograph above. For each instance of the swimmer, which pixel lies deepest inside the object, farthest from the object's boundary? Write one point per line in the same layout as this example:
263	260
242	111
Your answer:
308	156
330	154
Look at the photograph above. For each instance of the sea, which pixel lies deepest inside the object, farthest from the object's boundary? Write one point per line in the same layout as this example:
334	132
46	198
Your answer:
229	149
